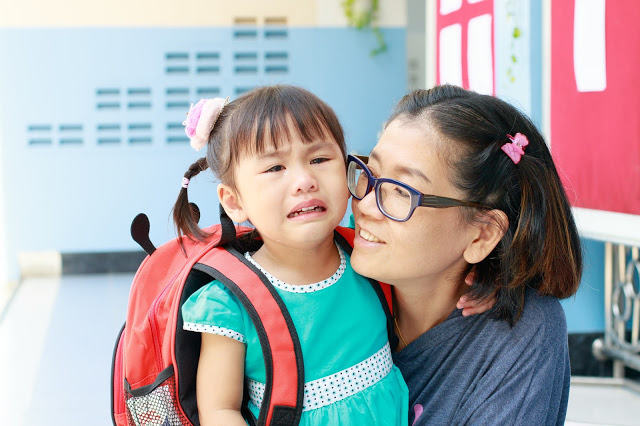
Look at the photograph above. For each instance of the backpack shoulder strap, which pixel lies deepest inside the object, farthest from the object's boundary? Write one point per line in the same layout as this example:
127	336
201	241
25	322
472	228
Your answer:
344	237
284	389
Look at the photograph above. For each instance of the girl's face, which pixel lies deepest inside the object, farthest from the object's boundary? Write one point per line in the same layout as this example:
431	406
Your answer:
430	245
295	195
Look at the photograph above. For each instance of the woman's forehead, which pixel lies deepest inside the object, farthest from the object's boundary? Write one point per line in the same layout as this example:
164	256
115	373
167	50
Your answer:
407	142
410	150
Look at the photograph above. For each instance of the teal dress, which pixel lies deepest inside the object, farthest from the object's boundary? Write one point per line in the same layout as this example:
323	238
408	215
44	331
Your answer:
350	378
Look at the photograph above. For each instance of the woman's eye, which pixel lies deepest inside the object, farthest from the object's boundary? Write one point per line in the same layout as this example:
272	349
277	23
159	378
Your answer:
401	192
319	160
274	169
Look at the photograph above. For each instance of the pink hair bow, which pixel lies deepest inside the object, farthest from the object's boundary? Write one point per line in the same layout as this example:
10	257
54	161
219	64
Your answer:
200	120
515	148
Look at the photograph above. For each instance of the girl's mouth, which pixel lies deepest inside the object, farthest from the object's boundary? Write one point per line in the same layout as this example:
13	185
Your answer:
306	210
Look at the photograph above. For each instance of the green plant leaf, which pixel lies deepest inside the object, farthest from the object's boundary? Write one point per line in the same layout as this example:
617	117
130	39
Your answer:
366	18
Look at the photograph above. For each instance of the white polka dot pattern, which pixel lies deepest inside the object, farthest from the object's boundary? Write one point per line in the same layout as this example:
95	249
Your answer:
338	386
307	288
212	329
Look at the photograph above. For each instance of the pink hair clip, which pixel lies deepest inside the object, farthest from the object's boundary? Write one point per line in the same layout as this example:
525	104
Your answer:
185	182
200	120
515	148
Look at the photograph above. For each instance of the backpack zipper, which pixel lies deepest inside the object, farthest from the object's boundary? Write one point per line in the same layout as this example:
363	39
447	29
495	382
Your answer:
154	324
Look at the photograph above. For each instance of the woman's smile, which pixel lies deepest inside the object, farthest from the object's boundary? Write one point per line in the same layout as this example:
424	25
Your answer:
366	235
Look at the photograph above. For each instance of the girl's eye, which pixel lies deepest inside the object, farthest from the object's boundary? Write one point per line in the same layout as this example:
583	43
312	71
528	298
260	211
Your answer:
274	169
319	160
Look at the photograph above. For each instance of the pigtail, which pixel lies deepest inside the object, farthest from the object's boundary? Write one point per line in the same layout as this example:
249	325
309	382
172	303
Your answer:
558	262
518	256
185	214
541	247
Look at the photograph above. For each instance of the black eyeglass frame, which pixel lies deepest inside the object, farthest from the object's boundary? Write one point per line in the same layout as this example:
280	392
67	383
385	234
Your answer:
418	199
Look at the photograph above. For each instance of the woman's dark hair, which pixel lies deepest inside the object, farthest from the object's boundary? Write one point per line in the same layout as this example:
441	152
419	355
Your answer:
541	247
259	119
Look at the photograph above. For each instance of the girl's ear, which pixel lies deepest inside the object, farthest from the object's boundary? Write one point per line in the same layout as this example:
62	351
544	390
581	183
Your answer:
231	202
488	232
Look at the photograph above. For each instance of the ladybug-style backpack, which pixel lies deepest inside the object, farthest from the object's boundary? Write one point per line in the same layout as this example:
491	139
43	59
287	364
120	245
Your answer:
155	361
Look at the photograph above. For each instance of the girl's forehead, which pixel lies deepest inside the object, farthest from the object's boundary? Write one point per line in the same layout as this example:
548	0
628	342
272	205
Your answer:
284	146
278	134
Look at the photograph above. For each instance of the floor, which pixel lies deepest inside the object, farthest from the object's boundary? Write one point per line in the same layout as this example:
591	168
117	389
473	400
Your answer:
56	343
601	401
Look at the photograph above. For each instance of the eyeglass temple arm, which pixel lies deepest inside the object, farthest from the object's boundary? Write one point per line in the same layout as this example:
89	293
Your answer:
435	201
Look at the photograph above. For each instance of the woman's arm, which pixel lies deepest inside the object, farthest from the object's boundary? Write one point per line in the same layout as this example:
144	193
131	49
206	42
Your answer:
220	379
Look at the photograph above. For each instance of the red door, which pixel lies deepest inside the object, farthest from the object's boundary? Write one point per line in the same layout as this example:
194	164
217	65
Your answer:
465	48
595	102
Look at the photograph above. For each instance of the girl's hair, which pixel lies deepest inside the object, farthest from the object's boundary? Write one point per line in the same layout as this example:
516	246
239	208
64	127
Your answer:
541	247
257	120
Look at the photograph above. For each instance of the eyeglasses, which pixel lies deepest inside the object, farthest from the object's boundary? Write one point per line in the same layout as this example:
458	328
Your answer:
396	200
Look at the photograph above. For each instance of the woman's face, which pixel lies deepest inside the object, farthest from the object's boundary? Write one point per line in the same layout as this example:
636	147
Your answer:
430	245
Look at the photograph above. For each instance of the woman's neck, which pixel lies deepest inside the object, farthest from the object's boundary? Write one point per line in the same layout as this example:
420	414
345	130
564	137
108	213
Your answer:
419	307
299	265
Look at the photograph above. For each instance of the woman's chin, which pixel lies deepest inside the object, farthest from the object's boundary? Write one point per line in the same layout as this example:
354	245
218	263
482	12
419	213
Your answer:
364	264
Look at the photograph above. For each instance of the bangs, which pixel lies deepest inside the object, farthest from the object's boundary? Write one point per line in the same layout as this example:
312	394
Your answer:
270	121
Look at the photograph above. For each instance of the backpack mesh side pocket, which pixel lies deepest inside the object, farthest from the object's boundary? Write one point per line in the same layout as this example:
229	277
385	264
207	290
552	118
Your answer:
155	404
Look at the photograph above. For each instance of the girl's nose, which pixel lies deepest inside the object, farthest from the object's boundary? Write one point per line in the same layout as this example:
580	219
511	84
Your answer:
305	181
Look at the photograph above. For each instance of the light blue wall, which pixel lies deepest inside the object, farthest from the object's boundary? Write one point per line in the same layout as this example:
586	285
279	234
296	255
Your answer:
90	118
585	311
519	81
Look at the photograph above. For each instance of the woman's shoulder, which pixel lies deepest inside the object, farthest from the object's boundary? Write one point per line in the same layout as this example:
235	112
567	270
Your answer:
542	320
543	315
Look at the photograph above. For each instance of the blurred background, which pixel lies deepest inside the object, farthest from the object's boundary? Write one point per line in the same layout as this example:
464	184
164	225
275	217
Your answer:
92	99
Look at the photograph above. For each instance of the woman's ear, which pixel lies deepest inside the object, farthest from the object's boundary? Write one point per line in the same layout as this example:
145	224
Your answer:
489	230
231	202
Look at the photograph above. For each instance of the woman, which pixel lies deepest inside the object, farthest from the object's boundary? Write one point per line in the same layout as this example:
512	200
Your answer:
498	208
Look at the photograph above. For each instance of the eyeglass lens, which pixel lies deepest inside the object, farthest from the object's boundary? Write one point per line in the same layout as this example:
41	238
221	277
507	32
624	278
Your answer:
393	199
357	180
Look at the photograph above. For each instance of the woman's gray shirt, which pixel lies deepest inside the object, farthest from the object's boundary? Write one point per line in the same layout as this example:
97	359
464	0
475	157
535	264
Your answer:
478	370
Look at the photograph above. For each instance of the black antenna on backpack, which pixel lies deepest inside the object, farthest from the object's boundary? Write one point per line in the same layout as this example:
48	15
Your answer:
227	228
140	233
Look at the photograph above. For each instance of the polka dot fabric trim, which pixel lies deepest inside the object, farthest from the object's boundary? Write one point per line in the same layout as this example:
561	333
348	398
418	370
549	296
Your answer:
212	329
338	386
307	288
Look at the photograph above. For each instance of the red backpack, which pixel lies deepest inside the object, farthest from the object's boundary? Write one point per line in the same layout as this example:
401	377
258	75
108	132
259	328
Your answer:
155	360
